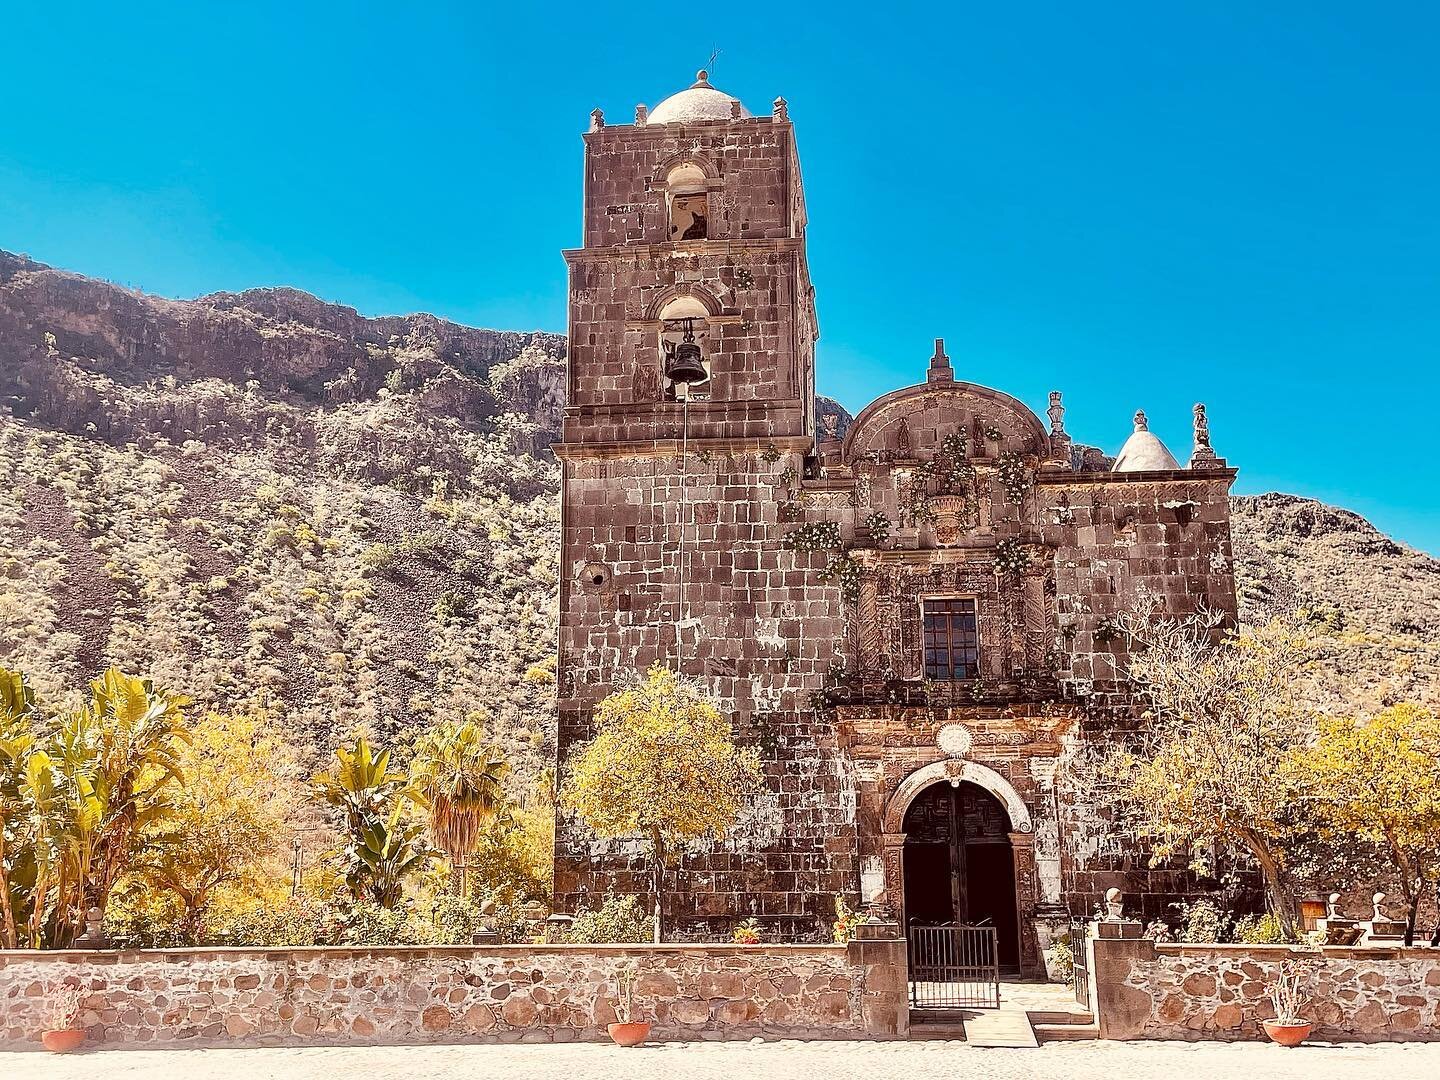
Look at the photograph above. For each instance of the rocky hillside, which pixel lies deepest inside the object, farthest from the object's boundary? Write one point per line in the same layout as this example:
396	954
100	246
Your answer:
262	497
1375	604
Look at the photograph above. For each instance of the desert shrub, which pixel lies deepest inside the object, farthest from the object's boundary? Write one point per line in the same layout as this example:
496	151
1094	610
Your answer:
1258	930
617	919
302	921
378	556
367	923
1203	922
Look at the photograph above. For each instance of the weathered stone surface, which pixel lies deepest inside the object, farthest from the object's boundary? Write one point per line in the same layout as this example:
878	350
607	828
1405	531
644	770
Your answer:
1350	993
501	993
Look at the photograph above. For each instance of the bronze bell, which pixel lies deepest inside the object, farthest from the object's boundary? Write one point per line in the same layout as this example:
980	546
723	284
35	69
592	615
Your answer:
685	366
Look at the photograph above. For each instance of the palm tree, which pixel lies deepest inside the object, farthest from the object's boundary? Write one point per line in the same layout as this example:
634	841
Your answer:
458	778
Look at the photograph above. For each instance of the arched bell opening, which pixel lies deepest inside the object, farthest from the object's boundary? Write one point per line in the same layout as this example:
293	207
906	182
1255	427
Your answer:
685	349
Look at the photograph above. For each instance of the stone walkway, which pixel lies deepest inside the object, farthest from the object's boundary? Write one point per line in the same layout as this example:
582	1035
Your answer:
756	1061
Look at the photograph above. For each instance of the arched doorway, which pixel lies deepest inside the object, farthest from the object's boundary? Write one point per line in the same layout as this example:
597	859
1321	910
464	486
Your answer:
959	866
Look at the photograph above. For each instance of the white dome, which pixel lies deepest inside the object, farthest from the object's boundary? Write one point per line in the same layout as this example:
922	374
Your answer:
700	102
1143	451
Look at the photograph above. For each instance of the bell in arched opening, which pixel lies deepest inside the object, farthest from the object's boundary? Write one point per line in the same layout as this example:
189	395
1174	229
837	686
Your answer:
684	365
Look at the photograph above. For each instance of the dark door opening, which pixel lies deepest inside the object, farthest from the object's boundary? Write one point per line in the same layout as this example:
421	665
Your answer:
959	867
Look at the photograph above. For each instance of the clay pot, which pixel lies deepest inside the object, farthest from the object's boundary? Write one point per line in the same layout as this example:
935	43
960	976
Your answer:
1287	1034
631	1034
63	1040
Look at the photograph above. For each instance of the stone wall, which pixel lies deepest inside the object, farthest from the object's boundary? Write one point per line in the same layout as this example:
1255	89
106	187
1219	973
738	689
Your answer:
1150	991
497	994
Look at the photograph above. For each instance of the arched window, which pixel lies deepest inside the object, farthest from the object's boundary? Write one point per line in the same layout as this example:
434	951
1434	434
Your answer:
689	201
681	319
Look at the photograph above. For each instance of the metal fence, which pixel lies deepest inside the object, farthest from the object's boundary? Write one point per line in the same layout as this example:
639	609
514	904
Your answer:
954	967
1079	950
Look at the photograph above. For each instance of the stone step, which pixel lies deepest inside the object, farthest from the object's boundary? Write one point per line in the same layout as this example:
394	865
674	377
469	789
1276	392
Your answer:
1059	1016
937	1029
1049	1033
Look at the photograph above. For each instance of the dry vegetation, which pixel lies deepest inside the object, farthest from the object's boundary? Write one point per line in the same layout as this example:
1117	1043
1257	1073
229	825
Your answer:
260	499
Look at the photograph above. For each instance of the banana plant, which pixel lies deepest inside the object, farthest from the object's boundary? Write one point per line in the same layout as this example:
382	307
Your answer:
380	848
382	855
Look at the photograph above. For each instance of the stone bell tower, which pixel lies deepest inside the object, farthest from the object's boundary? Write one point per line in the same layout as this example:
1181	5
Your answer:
691	389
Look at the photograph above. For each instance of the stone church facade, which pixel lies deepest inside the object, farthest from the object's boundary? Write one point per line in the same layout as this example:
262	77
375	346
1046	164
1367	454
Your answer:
910	614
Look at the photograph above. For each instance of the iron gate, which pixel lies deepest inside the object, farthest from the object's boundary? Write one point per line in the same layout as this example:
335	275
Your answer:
954	967
1080	954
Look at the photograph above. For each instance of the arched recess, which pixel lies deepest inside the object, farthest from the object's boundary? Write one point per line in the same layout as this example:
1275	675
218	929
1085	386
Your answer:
662	299
956	773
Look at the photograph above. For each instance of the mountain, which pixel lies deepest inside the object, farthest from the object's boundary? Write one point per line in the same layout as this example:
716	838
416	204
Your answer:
260	497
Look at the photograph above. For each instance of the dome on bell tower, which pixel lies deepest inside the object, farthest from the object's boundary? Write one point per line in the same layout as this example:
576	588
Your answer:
699	102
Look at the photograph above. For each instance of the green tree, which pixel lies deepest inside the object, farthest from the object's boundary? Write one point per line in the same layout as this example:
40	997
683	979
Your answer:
17	713
1205	771
1379	781
457	777
663	767
230	819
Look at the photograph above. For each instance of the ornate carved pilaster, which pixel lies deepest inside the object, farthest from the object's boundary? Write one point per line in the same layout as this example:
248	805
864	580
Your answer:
893	897
867	618
1022	847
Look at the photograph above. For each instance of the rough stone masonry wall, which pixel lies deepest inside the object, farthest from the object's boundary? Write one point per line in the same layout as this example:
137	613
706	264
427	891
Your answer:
759	631
417	995
1219	991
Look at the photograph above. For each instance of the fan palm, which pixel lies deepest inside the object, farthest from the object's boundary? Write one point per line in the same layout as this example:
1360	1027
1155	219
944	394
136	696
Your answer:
458	778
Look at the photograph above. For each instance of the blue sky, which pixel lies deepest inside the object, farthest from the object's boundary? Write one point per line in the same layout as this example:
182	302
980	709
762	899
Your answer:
1142	205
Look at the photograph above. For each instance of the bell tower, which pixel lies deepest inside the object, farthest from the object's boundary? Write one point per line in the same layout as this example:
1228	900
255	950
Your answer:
689	418
693	282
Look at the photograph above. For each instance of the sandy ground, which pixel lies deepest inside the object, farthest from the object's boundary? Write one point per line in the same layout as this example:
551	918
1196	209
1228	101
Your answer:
746	1061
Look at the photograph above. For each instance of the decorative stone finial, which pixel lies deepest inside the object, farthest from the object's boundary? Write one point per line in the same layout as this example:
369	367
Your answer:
1203	456
735	110
1375	912
782	110
830	424
642	115
940	369
702	78
94	936
1141	424
1057	414
1114	905
1332	906
597	119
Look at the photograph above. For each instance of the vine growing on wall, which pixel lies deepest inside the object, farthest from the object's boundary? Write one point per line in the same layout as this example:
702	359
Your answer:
1015	476
845	572
816	536
1011	557
878	526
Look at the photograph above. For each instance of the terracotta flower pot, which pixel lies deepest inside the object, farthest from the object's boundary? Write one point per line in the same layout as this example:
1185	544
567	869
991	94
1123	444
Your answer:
1287	1034
631	1034
63	1040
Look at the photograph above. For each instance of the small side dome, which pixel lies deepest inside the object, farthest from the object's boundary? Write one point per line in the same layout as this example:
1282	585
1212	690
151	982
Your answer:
1143	451
700	102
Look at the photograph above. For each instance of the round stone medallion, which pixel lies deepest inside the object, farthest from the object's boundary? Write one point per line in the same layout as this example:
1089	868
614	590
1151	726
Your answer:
954	740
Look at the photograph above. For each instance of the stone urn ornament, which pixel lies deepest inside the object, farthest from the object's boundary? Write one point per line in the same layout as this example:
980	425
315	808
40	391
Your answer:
627	1031
1288	1028
65	1033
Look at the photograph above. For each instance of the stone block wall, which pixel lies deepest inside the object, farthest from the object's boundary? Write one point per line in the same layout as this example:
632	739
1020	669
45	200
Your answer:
758	628
1149	991
418	995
